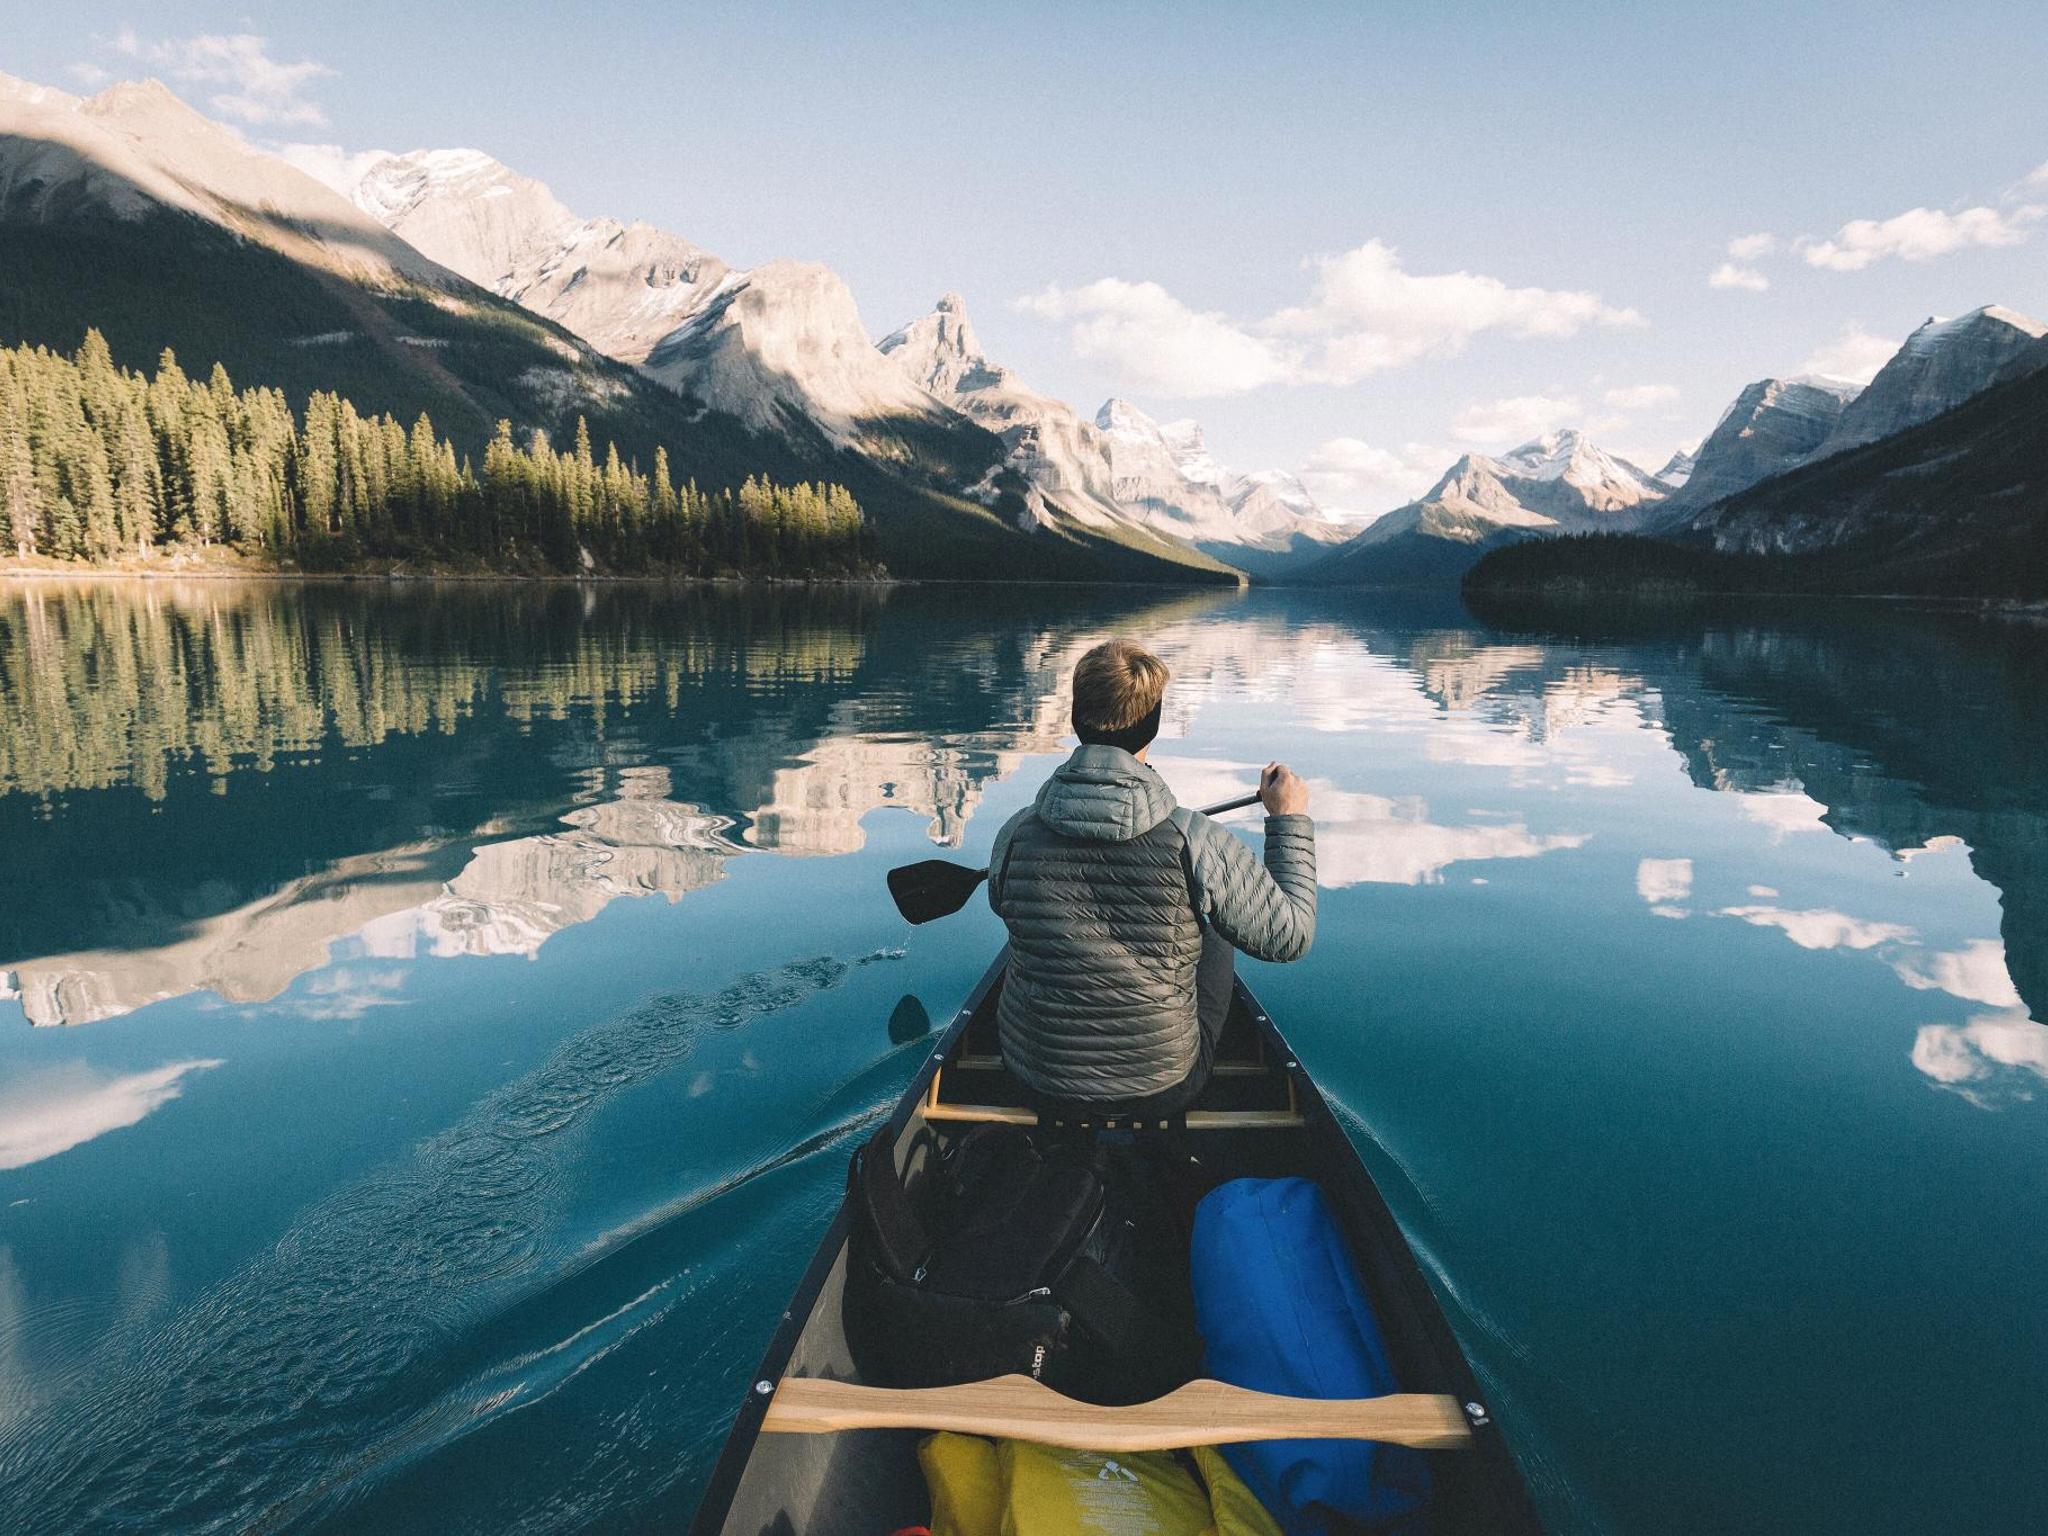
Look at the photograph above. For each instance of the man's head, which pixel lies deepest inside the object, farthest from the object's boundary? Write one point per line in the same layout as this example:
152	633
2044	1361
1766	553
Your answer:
1118	687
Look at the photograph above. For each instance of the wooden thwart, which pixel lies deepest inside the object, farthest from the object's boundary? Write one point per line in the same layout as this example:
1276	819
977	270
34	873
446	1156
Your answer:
1200	1413
934	1108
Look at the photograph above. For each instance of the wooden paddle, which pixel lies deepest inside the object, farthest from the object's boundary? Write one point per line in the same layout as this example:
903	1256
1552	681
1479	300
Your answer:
1200	1413
937	888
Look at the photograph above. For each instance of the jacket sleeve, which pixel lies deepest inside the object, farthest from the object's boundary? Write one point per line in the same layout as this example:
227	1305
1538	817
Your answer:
1268	912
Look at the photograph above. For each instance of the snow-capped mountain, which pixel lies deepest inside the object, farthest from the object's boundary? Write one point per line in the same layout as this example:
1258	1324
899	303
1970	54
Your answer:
777	346
1167	477
463	209
1772	426
1951	505
166	229
1564	476
621	287
1776	425
1061	456
1149	478
1676	471
785	340
1941	365
136	149
1557	483
1123	467
300	287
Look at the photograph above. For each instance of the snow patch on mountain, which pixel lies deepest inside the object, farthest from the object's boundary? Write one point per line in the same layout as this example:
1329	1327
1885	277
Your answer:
1167	476
771	346
1676	471
1557	483
1942	364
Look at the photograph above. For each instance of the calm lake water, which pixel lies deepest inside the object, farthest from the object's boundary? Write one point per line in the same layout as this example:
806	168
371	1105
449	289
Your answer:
434	1021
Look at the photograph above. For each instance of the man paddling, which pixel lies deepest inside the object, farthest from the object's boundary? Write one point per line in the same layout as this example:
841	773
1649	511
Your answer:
1124	908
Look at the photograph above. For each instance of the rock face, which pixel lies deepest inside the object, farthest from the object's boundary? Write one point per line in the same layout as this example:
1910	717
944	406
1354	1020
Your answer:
778	345
466	211
1558	483
1165	477
135	150
1772	426
1122	468
132	213
1149	481
785	341
1958	504
1061	457
1777	425
1676	471
1941	365
621	287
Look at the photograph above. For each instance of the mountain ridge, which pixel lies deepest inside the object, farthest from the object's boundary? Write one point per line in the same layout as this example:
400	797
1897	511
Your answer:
1559	482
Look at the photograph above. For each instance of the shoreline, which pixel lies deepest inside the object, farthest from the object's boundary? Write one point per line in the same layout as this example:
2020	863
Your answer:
1637	600
15	572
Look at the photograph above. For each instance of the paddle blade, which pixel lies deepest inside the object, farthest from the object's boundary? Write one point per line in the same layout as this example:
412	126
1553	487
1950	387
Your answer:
933	888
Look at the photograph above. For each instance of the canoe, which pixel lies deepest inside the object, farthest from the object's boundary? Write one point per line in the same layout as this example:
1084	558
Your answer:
792	1467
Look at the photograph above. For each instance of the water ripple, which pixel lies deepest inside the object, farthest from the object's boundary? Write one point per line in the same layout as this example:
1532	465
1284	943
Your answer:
236	1410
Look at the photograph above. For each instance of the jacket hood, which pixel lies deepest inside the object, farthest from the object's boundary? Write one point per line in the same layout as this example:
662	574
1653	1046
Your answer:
1105	794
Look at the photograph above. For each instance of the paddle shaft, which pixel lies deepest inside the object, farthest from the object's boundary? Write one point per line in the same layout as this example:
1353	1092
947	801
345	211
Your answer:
1200	1413
936	888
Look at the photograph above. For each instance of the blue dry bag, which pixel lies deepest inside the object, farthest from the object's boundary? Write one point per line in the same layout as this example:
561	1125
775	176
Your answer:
1281	1310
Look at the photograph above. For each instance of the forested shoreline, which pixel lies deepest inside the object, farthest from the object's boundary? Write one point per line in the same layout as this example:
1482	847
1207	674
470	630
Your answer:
102	466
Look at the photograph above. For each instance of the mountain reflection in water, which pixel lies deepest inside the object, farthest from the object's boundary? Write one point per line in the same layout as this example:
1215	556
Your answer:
1681	981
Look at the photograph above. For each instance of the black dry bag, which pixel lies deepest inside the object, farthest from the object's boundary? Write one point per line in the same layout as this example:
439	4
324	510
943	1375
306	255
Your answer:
998	1255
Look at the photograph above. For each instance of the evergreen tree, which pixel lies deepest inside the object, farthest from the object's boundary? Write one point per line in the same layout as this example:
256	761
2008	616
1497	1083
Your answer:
97	463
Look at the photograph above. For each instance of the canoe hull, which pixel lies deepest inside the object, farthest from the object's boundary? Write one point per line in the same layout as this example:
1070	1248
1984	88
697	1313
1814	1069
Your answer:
1264	1116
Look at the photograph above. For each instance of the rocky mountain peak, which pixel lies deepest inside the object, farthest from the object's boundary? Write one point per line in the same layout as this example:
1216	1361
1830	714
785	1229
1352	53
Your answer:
940	350
1677	470
1942	364
1118	415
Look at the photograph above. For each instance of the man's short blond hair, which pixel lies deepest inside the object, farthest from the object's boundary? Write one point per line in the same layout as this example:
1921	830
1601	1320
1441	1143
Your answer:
1118	687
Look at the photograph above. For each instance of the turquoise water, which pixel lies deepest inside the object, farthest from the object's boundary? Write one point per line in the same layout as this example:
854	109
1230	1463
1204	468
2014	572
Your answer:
434	1021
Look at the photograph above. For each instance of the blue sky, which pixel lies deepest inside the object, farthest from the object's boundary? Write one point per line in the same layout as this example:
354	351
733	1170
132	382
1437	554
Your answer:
1354	240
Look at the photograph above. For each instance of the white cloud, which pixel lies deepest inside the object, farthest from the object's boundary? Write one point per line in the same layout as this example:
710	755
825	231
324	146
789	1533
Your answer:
88	74
1820	928
1664	880
1157	343
1373	315
1729	275
55	1109
1783	811
1365	315
1370	839
1918	234
332	165
2038	176
1642	397
1750	247
1989	1060
1976	973
250	85
1855	354
1348	475
1513	420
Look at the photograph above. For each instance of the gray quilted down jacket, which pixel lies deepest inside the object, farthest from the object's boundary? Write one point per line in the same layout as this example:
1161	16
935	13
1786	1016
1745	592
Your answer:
1106	886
